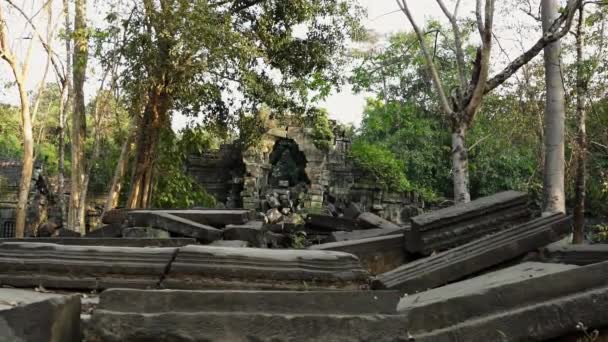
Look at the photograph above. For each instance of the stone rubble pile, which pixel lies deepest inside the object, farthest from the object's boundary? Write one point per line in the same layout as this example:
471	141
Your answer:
462	273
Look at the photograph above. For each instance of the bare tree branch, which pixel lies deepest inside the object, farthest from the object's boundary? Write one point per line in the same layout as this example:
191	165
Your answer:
457	42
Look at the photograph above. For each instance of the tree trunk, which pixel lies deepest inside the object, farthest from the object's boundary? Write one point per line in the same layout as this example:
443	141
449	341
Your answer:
76	219
66	96
153	120
460	164
27	160
119	173
555	113
581	138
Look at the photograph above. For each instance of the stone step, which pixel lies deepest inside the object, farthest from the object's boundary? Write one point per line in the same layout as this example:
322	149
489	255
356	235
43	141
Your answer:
33	316
210	267
286	302
377	254
475	256
111	242
575	254
453	226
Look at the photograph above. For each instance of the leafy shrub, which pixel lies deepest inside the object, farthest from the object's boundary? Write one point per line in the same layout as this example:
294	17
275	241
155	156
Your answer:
382	164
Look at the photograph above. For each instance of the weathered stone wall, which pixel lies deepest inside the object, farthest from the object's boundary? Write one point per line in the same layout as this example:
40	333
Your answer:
331	175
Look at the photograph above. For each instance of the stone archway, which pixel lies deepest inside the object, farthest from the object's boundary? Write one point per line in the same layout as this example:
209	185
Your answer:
258	167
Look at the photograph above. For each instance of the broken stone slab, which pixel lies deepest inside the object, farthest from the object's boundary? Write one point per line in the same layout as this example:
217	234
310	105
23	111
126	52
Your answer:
331	223
111	326
62	232
453	226
575	254
208	267
32	316
352	211
174	224
230	243
287	302
145	232
215	217
520	285
543	321
375	221
365	234
113	230
475	256
115	216
112	242
82	267
377	254
255	233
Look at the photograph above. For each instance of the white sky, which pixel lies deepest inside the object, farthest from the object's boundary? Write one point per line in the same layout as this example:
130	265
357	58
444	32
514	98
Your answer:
345	106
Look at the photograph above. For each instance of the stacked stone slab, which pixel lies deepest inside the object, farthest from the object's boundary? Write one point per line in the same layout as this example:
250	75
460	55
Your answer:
126	315
526	302
111	242
82	267
377	254
30	316
174	224
475	256
200	267
453	226
575	254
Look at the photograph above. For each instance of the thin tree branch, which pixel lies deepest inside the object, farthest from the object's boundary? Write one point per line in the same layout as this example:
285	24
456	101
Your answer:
457	42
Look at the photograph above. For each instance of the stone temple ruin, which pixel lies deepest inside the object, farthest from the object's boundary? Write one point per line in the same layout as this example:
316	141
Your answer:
286	167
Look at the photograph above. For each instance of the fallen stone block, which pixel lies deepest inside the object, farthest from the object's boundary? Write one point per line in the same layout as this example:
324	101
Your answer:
230	243
214	217
544	321
115	216
294	302
174	224
453	226
331	223
375	221
125	315
475	256
30	316
365	234
377	254
113	230
145	232
82	267
208	267
111	242
575	254
62	232
253	232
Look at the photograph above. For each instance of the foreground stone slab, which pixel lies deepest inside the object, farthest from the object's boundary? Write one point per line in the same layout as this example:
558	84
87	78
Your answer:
174	224
442	229
543	321
377	254
230	243
82	267
208	267
125	315
30	316
145	232
475	256
575	254
111	242
288	302
365	234
519	285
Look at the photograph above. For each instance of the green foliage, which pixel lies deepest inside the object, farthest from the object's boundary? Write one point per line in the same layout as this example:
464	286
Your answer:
598	233
10	132
322	133
382	164
173	188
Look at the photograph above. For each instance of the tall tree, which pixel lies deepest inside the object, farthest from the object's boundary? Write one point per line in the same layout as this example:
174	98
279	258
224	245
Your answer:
554	199
76	217
222	59
463	103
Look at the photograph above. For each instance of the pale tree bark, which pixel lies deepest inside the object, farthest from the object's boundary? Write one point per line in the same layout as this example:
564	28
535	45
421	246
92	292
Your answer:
66	97
555	115
119	172
20	74
76	220
581	135
461	108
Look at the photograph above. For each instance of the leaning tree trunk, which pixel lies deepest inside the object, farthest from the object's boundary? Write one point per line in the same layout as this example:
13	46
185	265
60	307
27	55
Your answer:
153	120
581	138
27	160
119	173
66	96
460	164
555	113
76	219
